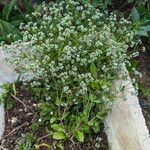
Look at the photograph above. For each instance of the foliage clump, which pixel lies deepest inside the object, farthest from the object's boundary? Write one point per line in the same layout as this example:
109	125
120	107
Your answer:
76	54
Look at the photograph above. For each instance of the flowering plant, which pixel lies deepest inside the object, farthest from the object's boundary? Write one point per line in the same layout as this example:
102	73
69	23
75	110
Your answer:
77	52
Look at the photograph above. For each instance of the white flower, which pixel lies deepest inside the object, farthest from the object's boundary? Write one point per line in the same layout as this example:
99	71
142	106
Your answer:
66	88
51	112
39	120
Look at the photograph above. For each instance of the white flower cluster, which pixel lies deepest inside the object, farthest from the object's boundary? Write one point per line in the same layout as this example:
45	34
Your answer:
66	39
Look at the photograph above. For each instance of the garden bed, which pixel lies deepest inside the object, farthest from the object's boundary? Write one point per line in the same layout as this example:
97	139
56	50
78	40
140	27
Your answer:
20	118
71	80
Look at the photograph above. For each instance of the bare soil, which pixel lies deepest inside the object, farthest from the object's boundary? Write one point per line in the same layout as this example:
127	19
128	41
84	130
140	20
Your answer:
144	68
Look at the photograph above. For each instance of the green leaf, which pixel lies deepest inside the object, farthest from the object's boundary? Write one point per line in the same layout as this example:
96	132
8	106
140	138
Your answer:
85	129
95	85
95	3
7	28
97	101
60	146
130	1
108	2
93	70
53	119
96	127
28	5
135	16
8	9
59	135
45	108
146	28
17	19
80	136
35	126
64	115
142	33
58	102
57	127
85	1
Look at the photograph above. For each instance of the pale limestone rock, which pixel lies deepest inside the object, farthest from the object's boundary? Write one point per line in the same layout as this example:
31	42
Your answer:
125	125
6	75
2	123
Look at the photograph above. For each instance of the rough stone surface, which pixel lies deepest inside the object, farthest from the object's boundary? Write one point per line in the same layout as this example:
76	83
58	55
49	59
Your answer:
125	124
2	124
6	75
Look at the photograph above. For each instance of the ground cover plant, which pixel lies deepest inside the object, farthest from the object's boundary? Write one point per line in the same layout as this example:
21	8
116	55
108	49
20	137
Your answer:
76	54
138	11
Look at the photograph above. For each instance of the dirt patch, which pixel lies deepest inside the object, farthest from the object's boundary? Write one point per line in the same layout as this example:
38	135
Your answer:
144	68
24	113
18	119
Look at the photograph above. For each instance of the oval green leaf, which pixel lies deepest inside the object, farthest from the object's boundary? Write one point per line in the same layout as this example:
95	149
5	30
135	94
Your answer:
59	135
